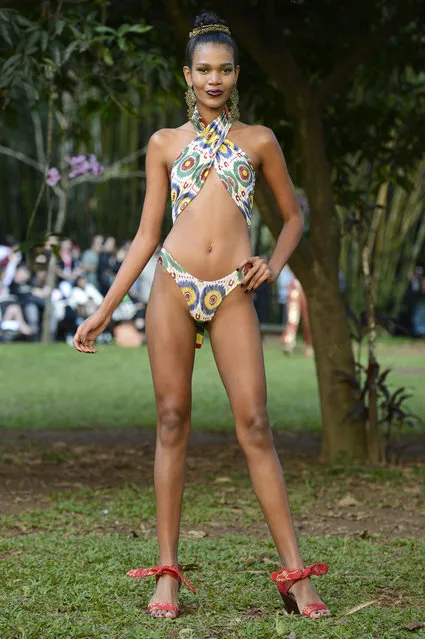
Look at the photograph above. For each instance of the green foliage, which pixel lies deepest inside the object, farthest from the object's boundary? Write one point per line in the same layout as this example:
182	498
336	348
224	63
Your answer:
375	125
73	69
379	100
394	413
71	50
399	238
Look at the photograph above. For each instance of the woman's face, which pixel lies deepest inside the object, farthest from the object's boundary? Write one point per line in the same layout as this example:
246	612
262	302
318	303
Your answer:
213	74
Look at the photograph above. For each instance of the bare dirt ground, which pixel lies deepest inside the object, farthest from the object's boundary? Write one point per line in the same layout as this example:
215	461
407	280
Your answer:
34	464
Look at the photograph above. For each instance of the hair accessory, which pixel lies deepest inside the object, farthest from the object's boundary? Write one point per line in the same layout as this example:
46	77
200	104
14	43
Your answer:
209	28
190	98
234	101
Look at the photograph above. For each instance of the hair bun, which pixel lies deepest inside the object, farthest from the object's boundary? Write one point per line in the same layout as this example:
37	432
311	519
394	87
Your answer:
207	18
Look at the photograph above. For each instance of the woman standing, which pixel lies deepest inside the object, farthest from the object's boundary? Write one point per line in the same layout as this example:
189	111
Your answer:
204	275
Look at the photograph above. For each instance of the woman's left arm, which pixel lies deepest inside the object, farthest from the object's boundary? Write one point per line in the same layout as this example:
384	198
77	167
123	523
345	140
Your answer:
273	166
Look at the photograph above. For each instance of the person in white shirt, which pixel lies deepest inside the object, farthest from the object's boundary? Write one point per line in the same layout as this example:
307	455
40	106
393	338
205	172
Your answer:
282	283
296	311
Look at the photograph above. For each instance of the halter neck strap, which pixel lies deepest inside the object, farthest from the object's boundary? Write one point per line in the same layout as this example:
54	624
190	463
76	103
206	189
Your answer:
221	124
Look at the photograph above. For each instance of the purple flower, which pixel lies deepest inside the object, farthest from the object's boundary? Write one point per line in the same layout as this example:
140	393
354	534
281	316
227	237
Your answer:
97	169
53	177
80	165
76	160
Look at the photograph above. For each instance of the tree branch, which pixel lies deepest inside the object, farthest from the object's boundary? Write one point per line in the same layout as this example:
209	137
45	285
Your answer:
17	155
105	177
129	158
180	22
271	55
18	4
38	136
365	48
111	171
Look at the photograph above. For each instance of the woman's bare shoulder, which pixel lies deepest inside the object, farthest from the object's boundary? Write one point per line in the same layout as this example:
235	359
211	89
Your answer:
259	133
163	139
262	133
164	136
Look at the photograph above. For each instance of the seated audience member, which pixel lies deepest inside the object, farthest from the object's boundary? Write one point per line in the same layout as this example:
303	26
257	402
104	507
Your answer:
108	265
67	268
122	252
140	292
85	297
31	304
90	260
76	256
12	320
83	301
418	300
10	257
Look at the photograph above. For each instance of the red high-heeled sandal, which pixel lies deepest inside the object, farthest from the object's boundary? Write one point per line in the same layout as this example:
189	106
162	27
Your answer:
285	579
158	571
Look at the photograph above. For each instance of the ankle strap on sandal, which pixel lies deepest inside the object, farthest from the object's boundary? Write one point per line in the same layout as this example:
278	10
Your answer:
285	578
158	571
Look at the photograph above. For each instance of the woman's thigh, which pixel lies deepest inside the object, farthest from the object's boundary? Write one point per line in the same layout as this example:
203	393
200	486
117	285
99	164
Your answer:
170	334
236	343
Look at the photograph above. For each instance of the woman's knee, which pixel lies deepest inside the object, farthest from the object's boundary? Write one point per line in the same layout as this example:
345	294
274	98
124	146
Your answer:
173	423
253	429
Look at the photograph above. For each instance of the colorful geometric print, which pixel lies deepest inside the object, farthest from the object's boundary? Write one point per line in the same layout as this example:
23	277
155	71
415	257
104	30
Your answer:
203	297
212	148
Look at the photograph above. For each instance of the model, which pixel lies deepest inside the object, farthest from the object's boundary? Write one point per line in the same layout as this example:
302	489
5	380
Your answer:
203	279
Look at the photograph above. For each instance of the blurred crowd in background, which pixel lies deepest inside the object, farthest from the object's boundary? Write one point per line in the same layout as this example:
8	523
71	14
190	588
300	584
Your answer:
82	279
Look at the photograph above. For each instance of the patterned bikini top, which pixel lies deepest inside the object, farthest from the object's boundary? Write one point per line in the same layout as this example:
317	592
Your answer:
209	149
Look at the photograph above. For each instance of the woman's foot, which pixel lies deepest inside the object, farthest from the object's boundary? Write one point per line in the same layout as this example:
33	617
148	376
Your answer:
168	581
166	591
297	592
305	594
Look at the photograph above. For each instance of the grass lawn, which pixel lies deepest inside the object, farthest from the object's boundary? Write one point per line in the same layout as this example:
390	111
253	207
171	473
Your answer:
56	387
63	567
77	516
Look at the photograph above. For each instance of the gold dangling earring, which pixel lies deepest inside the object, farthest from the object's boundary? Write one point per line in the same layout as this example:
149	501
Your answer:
190	98
234	101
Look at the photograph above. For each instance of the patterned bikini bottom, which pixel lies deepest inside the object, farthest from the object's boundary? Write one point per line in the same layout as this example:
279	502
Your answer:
203	297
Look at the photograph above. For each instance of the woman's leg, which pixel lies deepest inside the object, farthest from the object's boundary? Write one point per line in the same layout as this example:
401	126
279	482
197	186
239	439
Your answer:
170	333
236	344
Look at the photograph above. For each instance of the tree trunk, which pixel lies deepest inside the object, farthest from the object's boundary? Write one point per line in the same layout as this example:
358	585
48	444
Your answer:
315	263
328	318
46	336
333	353
373	434
370	286
331	340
